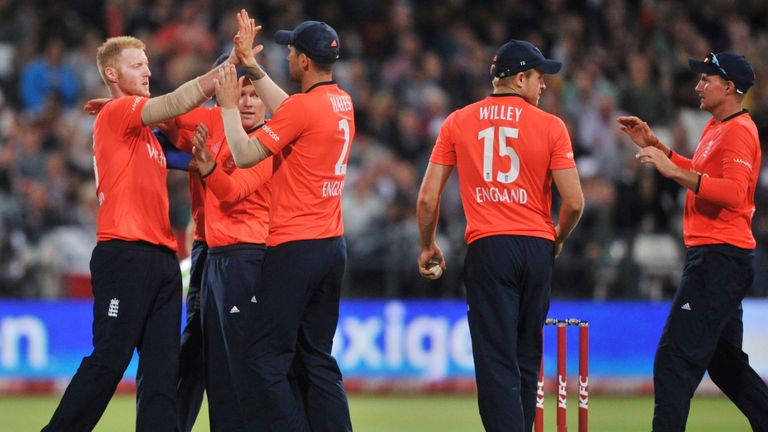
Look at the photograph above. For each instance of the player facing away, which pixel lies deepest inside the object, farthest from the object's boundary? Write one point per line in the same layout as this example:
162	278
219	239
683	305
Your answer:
704	328
507	152
134	270
299	291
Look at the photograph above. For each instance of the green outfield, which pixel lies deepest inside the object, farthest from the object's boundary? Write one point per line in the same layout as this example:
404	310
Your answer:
393	413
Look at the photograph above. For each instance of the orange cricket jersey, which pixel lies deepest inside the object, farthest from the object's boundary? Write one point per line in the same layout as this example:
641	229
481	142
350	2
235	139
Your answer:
728	157
236	200
505	149
310	136
130	171
196	191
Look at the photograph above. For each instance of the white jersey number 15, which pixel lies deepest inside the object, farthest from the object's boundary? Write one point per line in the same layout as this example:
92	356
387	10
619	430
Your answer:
488	137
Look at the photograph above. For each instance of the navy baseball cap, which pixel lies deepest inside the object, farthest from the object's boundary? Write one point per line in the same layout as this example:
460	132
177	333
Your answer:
730	66
222	58
316	39
519	56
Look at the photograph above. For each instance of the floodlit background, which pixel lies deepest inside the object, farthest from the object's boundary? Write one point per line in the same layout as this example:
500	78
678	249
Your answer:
407	65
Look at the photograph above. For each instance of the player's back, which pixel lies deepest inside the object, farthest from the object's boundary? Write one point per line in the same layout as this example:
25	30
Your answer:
505	149
309	171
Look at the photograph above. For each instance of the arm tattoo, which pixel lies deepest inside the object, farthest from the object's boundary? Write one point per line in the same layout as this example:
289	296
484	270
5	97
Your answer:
254	73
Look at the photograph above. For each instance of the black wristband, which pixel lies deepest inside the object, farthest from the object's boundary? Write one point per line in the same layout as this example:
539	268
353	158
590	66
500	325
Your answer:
698	185
202	176
669	155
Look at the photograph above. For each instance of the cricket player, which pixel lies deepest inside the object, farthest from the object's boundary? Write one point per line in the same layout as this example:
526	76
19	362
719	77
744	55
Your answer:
134	270
507	153
704	328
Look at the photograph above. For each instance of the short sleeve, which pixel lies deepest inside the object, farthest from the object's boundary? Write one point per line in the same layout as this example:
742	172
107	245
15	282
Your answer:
560	145
124	114
444	151
739	154
287	124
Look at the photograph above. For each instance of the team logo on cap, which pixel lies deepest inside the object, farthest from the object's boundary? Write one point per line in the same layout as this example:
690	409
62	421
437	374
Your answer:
334	43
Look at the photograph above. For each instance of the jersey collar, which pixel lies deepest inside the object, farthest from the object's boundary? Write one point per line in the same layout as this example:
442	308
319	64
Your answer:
249	131
321	83
505	95
732	116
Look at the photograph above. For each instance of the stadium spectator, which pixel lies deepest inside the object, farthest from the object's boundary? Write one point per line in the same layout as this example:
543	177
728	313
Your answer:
456	38
49	79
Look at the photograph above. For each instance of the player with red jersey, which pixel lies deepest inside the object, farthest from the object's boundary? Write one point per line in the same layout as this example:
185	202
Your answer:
134	270
298	296
236	226
507	153
704	329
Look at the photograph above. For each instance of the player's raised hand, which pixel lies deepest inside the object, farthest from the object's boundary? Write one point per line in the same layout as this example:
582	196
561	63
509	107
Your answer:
243	41
638	131
227	87
203	158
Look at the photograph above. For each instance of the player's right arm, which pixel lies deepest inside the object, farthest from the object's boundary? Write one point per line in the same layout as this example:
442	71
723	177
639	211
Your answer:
427	212
642	135
569	187
246	151
189	95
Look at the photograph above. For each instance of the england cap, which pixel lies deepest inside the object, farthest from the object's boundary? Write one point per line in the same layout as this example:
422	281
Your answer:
222	58
316	39
730	66
519	56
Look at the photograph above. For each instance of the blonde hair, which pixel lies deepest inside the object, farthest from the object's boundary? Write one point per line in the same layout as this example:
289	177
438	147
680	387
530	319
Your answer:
111	49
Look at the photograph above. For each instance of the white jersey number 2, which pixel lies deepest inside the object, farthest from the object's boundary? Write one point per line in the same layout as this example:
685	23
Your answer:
488	136
340	167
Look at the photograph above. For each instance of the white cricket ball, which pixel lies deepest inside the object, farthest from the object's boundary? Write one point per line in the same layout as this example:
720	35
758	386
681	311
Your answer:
436	271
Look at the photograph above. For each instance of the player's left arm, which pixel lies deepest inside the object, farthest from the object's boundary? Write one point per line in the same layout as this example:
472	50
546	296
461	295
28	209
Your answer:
730	190
569	187
427	212
235	187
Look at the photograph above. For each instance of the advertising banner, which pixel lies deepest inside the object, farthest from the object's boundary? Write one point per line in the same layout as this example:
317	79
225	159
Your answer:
383	340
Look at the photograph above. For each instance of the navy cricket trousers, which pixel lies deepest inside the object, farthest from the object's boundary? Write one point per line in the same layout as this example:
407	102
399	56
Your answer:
704	332
137	304
228	300
293	328
191	367
508	284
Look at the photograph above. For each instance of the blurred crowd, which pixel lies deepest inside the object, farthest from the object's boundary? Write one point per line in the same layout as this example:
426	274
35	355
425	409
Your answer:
407	65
